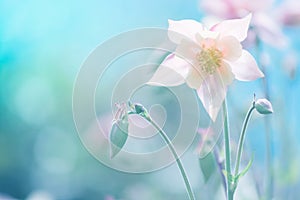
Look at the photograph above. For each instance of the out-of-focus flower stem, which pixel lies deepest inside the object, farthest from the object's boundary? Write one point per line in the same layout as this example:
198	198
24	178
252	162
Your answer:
230	190
220	167
242	139
269	160
172	148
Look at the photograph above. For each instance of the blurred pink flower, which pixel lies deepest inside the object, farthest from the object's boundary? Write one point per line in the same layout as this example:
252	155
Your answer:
207	60
263	24
208	139
288	13
229	9
109	197
289	64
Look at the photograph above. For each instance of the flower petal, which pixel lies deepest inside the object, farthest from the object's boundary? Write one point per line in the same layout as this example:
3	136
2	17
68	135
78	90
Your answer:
194	78
234	27
245	68
230	48
212	94
183	29
187	49
171	72
206	34
226	74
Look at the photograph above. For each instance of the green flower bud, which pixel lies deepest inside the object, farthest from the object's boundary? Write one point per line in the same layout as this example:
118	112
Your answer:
263	106
139	109
119	131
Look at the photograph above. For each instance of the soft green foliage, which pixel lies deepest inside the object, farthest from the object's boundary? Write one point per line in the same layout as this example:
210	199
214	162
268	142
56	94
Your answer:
208	166
118	136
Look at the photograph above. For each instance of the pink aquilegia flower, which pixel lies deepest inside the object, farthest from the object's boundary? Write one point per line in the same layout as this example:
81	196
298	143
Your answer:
207	60
263	24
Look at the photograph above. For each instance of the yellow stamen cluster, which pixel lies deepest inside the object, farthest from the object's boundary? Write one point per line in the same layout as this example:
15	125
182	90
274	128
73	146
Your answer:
209	59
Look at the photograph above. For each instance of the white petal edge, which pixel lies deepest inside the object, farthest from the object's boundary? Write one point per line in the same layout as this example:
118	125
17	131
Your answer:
183	29
187	50
234	27
194	78
226	74
171	72
245	68
230	47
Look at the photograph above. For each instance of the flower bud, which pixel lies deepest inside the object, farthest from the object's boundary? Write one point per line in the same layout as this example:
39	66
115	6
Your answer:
139	108
119	131
118	136
263	106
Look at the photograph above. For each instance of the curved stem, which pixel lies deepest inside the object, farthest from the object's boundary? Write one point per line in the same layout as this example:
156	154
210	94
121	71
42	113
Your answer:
230	191
242	139
180	166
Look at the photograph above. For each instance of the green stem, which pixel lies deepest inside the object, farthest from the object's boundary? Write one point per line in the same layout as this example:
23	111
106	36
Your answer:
230	194
242	139
230	191
220	167
180	166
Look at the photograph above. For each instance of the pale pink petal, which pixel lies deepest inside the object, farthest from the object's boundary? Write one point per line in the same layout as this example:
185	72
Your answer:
194	78
226	74
234	27
207	42
183	29
212	93
230	48
171	72
245	68
187	49
207	34
211	20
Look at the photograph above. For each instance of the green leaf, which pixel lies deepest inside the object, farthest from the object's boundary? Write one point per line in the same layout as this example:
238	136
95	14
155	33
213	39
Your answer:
246	168
118	136
208	166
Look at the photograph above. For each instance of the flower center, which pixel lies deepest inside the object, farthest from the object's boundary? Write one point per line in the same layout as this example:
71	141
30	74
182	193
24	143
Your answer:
209	59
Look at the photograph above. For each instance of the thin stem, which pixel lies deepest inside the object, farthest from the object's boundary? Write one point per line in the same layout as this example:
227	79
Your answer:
242	139
269	159
229	192
180	166
220	167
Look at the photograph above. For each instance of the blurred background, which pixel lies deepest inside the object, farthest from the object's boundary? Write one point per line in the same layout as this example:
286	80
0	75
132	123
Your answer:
42	46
